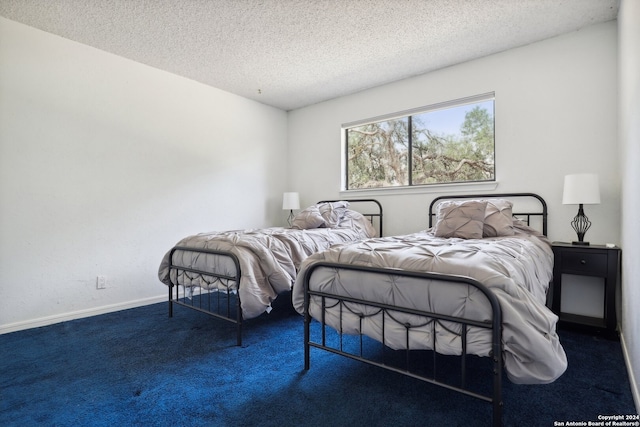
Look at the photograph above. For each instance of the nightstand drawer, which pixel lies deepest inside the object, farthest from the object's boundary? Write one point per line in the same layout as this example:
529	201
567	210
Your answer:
584	263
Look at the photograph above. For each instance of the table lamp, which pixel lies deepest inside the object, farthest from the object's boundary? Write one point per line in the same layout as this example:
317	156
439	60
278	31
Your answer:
581	189
290	201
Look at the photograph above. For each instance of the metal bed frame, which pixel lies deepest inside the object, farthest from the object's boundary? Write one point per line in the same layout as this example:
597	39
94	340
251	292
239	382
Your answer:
387	313
219	304
526	216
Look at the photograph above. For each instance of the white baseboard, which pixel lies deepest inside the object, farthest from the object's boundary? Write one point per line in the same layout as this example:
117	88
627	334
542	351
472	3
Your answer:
50	320
635	391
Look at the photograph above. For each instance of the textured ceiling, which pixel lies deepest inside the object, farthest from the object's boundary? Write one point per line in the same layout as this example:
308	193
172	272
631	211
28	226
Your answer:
294	53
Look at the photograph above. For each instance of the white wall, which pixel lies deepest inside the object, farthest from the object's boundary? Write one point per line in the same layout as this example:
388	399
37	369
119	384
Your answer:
105	163
629	40
556	113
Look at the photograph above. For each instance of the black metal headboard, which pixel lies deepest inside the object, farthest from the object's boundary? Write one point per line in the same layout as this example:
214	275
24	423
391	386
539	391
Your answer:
373	214
526	216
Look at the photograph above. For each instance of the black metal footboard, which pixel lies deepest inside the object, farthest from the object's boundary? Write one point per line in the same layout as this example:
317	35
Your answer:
331	302
214	303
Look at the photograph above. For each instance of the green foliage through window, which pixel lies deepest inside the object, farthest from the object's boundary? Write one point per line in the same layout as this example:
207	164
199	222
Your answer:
443	144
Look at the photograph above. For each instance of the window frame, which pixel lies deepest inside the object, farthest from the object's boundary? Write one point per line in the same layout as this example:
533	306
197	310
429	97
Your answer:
487	184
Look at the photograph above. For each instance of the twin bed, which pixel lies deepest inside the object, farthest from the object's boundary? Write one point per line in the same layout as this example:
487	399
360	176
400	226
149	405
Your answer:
472	287
236	275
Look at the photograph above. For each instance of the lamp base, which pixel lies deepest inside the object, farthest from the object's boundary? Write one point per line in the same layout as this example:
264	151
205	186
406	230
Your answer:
580	224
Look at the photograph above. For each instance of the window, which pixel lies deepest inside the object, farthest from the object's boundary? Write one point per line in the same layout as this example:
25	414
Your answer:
451	142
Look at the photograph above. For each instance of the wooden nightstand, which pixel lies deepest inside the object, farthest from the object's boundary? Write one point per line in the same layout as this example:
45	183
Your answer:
588	261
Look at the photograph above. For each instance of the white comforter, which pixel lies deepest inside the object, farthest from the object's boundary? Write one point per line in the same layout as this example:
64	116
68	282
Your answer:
517	269
269	258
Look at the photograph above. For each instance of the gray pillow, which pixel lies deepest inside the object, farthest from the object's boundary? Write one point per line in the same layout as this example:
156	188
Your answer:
328	214
463	219
498	219
308	218
332	212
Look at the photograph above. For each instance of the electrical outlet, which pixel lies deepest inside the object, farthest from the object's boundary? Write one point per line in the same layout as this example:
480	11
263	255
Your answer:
101	282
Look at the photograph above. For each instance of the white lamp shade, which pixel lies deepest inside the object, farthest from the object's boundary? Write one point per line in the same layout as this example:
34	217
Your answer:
582	188
290	201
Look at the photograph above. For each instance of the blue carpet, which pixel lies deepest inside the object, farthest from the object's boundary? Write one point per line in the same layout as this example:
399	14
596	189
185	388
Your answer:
140	368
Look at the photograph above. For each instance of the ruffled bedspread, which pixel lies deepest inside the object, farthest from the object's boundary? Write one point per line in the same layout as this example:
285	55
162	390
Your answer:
269	258
517	269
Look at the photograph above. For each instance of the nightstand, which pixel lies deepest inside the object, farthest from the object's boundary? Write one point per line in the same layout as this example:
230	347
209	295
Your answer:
589	263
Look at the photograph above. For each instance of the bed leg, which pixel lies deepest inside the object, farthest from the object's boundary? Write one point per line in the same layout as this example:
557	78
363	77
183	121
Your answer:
238	318
497	370
497	400
171	301
497	413
307	322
